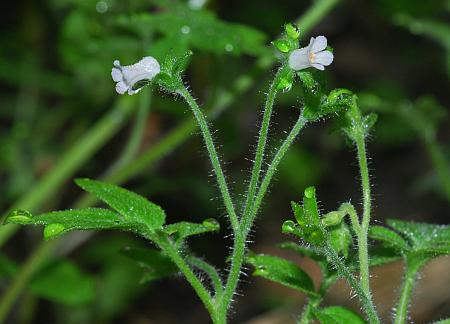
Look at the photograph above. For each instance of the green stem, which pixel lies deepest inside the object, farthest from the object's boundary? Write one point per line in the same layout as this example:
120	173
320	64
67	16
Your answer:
412	268
211	272
171	250
348	209
72	160
362	237
26	272
213	156
247	222
261	146
238	254
342	269
307	314
237	259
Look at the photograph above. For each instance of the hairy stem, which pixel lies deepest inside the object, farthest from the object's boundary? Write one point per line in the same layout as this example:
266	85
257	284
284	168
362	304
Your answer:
171	250
362	237
412	269
238	254
248	221
307	315
261	146
348	209
237	259
342	269
213	156
211	272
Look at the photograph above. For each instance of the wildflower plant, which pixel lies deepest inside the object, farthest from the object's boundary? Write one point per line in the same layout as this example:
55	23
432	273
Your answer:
326	238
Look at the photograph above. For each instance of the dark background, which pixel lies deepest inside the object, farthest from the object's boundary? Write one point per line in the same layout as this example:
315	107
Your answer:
55	84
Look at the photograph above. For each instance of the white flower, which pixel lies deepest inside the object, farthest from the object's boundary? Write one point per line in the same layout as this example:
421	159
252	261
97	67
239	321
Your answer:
313	55
127	76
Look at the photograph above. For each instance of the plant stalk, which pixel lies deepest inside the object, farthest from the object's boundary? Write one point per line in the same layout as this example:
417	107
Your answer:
411	272
261	146
364	228
213	156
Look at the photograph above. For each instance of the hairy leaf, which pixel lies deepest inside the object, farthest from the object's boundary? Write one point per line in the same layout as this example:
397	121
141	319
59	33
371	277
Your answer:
282	271
427	238
388	237
129	204
60	222
182	230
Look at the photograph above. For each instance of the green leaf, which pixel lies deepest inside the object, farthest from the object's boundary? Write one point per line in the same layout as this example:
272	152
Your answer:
204	31
388	237
182	230
304	250
340	239
369	121
298	213
282	271
338	315
63	282
282	45
289	227
444	321
155	264
426	238
285	79
310	207
292	30
60	222
313	254
332	218
381	255
129	204
337	100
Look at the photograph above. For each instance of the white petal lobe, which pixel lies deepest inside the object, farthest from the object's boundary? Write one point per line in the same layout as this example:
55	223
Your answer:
324	58
298	59
319	44
318	66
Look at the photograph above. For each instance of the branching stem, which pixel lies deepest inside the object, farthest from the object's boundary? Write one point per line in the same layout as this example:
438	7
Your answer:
213	156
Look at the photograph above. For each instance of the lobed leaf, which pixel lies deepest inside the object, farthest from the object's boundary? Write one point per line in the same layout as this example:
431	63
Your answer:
282	271
182	230
60	222
129	204
423	237
388	237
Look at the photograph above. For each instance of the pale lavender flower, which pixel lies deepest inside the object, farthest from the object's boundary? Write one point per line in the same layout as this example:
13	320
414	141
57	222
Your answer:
127	76
315	55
